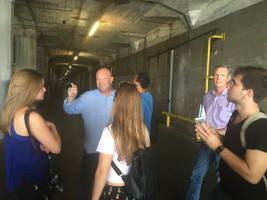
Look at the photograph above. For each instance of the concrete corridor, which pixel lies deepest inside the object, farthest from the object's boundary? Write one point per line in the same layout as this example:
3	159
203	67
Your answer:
176	153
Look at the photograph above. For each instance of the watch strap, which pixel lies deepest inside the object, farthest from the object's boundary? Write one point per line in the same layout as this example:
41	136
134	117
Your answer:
219	149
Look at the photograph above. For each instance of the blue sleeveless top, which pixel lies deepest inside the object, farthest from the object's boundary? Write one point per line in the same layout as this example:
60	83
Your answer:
22	160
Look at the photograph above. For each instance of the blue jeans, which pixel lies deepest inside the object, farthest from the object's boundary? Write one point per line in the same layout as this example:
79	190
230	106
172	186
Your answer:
205	157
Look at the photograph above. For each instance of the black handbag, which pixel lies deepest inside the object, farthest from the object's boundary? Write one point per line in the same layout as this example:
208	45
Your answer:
142	181
53	185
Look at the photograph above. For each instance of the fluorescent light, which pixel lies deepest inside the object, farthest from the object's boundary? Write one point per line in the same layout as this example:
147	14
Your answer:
76	57
94	29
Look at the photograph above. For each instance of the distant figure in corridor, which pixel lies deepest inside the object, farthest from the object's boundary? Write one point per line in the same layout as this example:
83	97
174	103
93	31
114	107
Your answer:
25	165
218	112
95	107
124	135
242	167
142	81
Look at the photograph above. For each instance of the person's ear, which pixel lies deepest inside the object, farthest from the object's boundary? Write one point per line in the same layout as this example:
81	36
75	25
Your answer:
228	78
250	93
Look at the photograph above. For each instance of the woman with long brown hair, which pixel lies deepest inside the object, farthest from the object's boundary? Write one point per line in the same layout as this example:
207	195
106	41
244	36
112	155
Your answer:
124	135
26	166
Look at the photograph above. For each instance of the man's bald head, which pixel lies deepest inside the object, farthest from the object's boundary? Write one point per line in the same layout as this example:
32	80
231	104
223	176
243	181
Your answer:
104	80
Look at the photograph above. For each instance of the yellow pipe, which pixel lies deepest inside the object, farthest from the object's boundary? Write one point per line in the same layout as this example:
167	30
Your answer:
222	36
176	116
168	121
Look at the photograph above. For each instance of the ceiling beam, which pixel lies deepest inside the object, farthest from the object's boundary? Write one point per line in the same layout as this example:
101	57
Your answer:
169	8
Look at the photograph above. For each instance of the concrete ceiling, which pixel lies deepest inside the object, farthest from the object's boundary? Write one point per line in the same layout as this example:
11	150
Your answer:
125	25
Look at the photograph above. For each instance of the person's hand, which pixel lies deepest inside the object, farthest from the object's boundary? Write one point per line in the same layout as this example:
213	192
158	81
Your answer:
206	133
72	92
43	148
211	129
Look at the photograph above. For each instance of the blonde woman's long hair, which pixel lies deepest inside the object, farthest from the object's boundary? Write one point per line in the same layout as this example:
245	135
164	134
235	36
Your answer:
23	89
126	119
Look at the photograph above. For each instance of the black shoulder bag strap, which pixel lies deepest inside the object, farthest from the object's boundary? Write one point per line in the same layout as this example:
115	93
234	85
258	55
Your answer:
26	119
117	170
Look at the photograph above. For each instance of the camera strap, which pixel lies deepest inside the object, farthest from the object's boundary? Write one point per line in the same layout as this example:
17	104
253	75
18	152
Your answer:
46	192
26	119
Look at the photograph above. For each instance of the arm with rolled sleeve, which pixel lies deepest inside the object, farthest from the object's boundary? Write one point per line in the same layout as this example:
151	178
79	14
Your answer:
77	106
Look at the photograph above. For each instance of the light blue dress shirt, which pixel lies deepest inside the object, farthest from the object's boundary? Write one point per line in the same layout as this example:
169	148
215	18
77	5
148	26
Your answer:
95	109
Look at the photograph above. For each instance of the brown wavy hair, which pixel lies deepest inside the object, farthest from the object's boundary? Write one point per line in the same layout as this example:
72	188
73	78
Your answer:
128	129
23	89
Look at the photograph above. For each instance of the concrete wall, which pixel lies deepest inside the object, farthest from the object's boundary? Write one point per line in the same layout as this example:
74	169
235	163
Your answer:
245	44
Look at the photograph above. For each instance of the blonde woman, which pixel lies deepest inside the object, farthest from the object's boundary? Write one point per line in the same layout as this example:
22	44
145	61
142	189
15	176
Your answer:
24	167
125	134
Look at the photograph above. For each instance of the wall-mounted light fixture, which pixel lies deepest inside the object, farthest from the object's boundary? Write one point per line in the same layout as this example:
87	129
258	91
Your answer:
75	58
70	67
94	28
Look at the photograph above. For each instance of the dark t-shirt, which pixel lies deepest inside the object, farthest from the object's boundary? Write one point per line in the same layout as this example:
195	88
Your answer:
233	184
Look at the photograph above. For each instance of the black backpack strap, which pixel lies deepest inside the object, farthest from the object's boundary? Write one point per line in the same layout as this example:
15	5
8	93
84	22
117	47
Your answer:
118	171
26	119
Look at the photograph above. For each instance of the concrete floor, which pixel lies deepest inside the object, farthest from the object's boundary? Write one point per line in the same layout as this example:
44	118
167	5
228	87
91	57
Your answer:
175	149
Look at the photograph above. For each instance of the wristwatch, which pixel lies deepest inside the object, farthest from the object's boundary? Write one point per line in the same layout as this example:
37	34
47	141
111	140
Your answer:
219	149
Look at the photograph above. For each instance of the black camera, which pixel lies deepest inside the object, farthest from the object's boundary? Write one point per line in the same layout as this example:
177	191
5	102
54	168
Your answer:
53	186
55	183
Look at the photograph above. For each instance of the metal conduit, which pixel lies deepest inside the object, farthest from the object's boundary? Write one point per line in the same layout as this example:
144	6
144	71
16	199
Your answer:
170	88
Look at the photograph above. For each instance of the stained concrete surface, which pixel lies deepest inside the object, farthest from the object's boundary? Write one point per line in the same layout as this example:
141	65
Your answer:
176	152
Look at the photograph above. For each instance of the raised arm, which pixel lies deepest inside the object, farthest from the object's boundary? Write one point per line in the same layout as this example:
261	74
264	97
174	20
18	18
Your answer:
45	132
72	93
